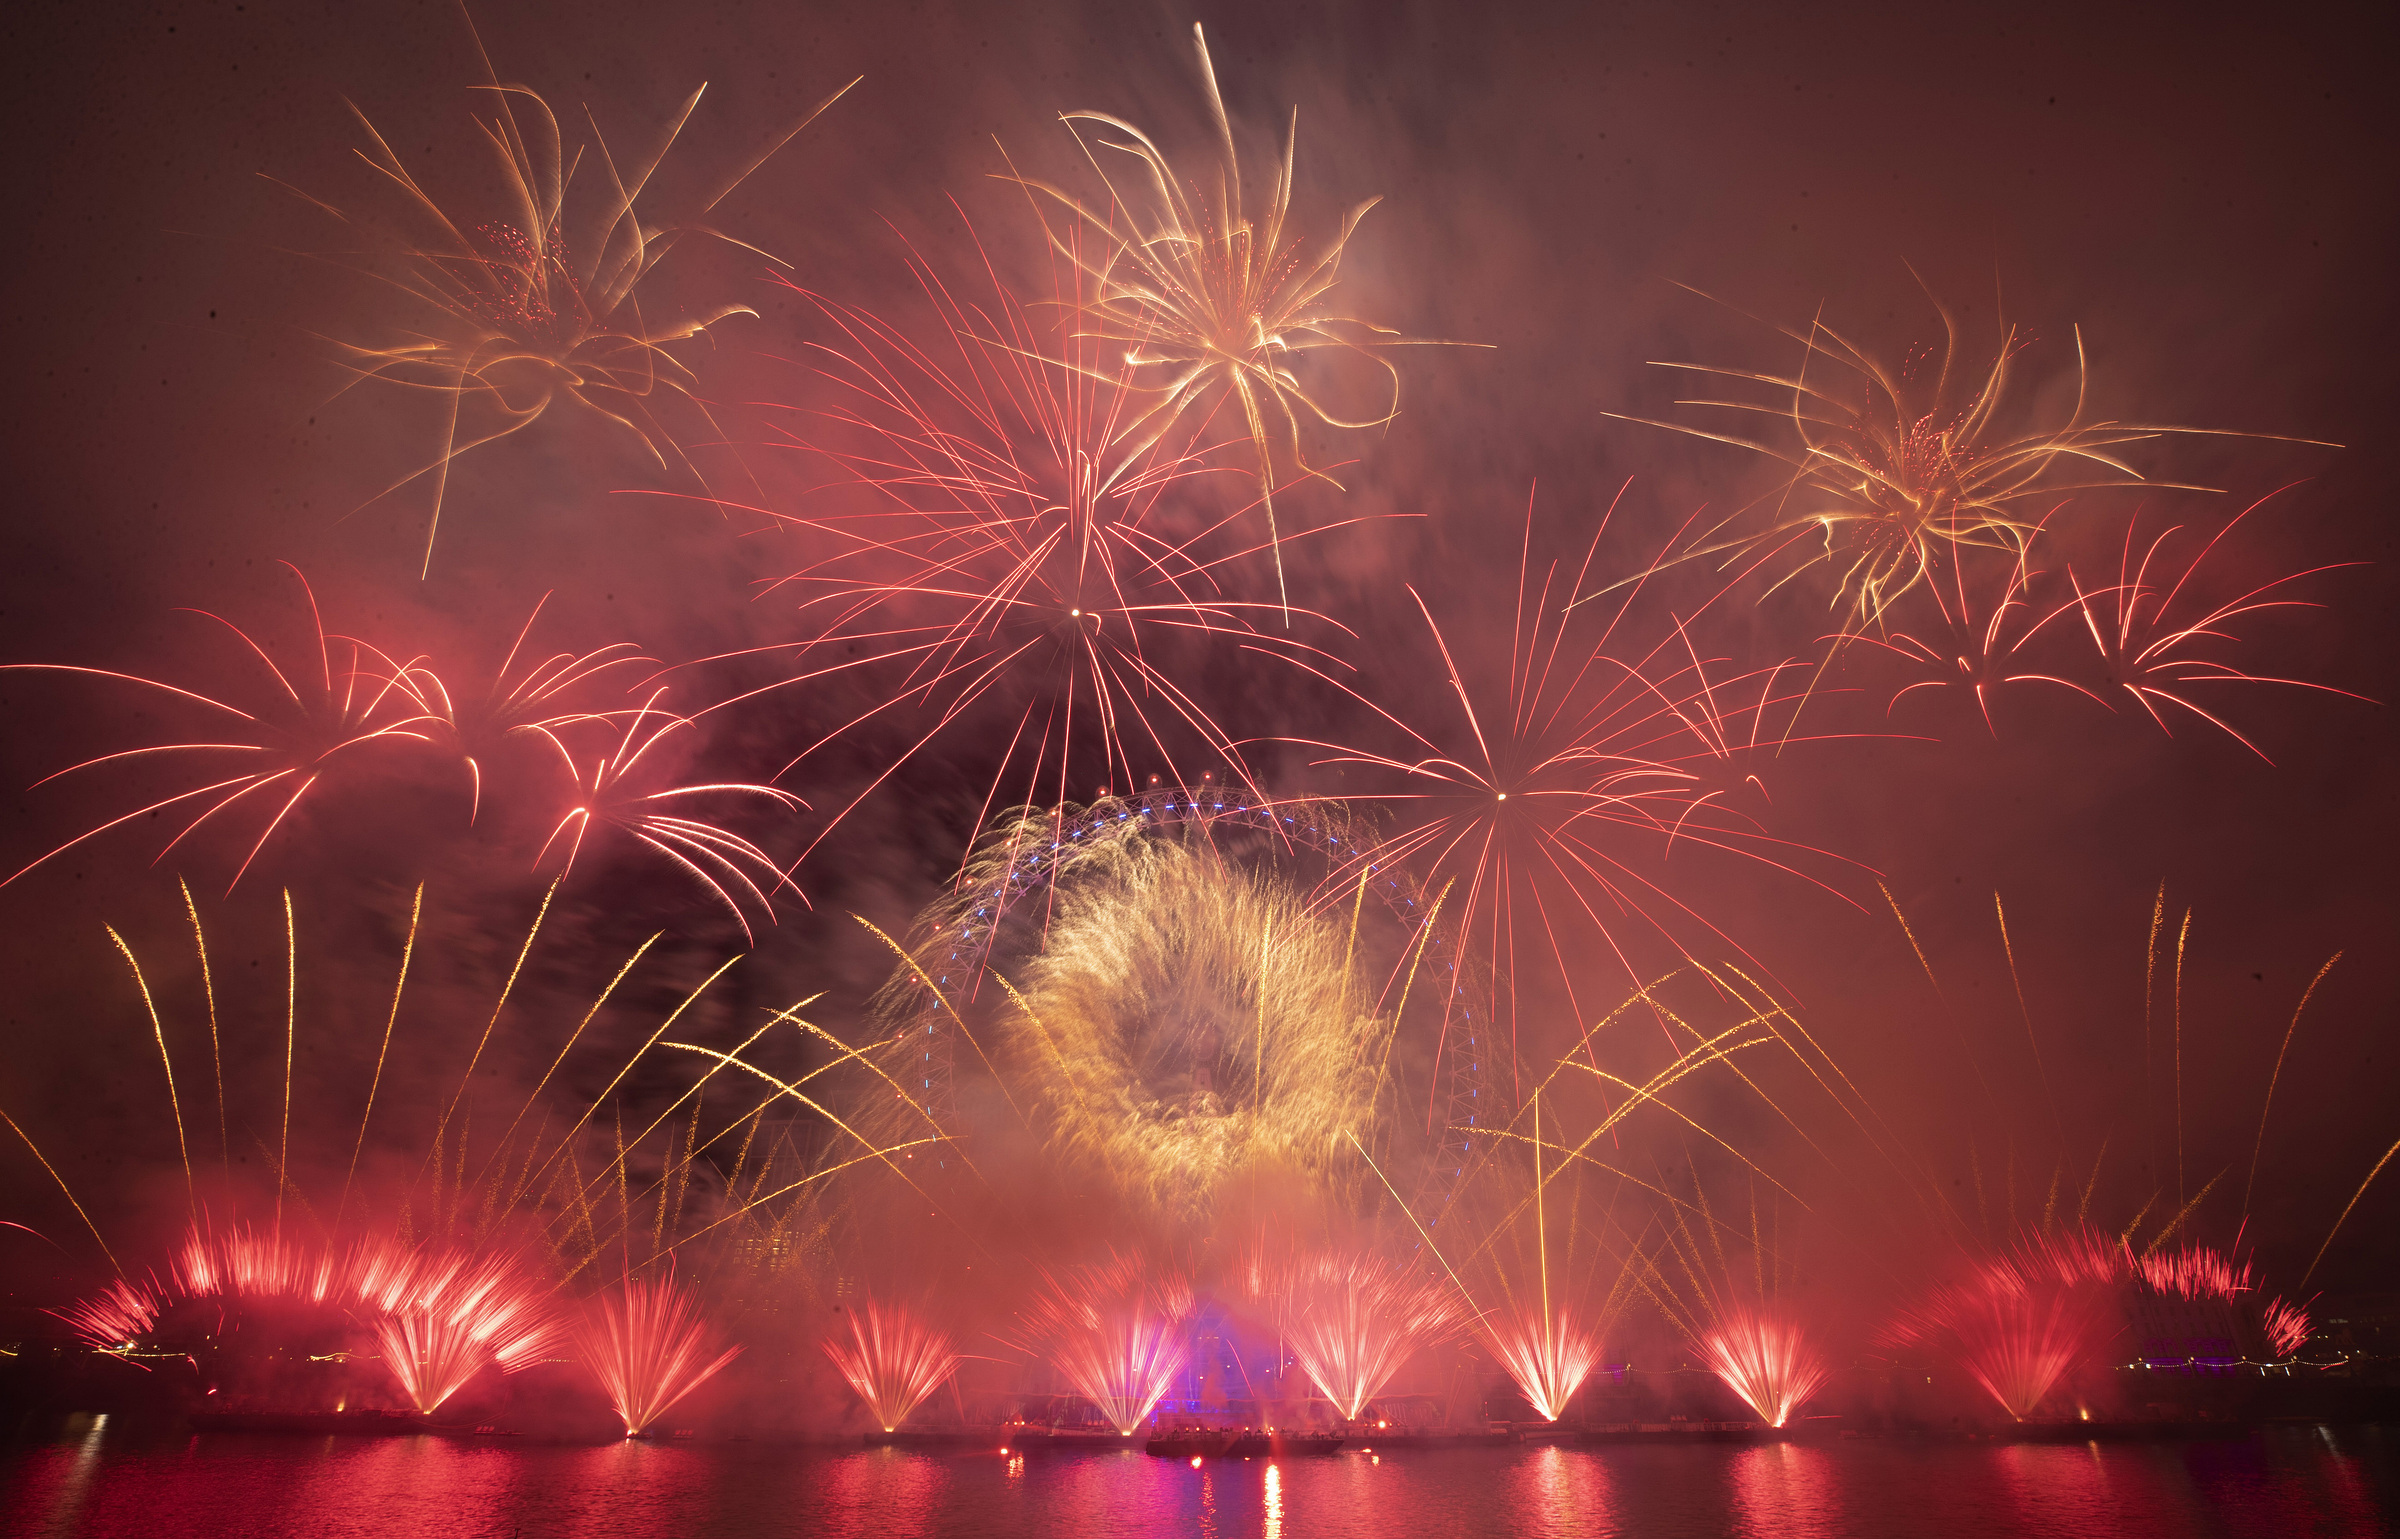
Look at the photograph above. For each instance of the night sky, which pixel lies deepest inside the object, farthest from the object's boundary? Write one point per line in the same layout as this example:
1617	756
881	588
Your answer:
2209	202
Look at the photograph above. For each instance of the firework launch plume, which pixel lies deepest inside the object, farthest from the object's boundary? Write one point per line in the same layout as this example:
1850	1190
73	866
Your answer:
893	1359
2023	1321
1354	1318
647	1343
1118	1330
1764	1356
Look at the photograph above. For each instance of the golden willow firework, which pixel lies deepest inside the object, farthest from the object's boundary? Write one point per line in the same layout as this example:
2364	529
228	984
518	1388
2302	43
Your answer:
1892	470
1165	1014
532	299
1215	296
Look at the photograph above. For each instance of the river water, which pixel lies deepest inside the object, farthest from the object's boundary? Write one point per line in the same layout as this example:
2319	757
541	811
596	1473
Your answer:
90	1479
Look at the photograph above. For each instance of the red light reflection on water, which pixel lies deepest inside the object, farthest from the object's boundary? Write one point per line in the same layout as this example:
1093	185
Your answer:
1787	1490
1557	1491
92	1478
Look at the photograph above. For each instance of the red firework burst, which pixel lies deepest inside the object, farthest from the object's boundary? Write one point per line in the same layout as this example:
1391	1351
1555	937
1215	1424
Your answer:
305	724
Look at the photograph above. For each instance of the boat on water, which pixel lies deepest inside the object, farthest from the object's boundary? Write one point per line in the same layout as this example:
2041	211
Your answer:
1261	1443
1191	1442
1201	1442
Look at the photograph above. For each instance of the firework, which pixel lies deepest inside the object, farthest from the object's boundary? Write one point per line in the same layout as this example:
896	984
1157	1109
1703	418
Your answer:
2148	647
608	793
648	1345
2287	1327
2016	1325
1891	469
533	702
1983	653
305	725
1188	1022
537	303
1528	806
1540	1334
1548	1359
1117	1330
1007	575
1216	301
1355	1318
894	1360
1765	1357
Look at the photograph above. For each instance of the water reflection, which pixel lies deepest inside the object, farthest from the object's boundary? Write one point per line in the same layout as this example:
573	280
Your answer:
1786	1489
91	1478
1553	1490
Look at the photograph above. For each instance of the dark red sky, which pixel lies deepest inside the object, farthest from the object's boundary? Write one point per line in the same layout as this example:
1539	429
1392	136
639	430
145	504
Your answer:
2207	194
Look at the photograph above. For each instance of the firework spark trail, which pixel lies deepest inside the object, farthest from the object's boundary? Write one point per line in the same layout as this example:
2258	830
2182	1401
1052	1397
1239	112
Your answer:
2146	647
1355	1318
1117	1330
1005	573
893	1359
2287	1327
1528	810
300	732
539	304
608	795
1893	474
1217	299
1981	656
1765	1357
2275	1077
649	1346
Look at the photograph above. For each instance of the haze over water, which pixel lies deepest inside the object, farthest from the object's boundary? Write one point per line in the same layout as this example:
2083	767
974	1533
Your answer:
95	1480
